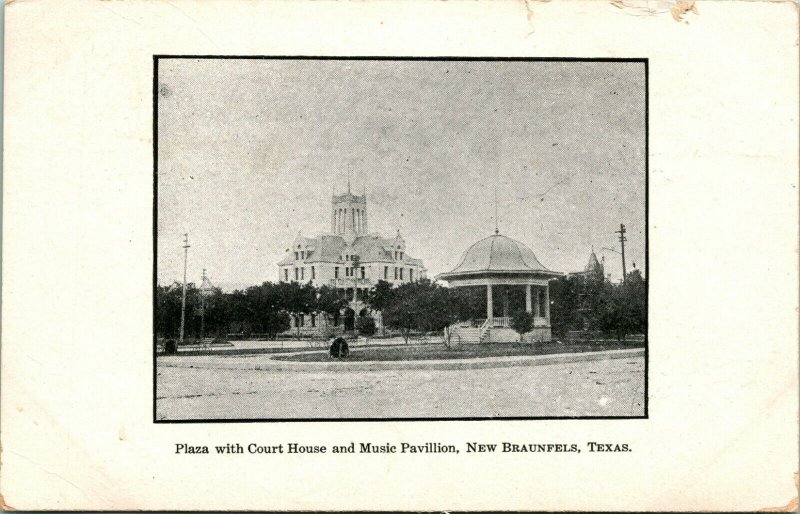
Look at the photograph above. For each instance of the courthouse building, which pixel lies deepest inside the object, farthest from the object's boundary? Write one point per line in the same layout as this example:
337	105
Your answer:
349	258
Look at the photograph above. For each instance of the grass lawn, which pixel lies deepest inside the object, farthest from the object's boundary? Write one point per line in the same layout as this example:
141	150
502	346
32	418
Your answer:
291	347
440	351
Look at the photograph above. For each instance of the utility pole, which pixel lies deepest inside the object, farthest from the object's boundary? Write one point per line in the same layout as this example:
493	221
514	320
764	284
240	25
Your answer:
183	297
202	307
622	240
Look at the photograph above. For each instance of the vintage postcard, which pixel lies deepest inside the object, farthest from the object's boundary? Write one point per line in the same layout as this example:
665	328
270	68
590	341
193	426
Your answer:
400	255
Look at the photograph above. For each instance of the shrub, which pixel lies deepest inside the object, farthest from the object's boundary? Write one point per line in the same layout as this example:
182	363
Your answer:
365	325
522	322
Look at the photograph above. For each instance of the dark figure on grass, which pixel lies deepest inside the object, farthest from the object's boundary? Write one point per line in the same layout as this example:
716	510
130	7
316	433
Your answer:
339	348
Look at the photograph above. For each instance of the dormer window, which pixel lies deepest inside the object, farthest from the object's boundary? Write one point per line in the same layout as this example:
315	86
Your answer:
296	257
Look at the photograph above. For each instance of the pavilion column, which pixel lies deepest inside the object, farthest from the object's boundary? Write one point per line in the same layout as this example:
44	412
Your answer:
547	303
528	307
538	302
489	304
505	302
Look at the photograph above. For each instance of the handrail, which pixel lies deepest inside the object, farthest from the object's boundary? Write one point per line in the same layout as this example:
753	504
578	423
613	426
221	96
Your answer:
484	329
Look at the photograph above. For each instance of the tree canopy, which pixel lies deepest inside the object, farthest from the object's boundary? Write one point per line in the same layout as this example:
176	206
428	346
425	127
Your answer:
579	303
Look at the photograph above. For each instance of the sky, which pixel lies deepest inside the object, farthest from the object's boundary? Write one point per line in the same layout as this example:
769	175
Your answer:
250	152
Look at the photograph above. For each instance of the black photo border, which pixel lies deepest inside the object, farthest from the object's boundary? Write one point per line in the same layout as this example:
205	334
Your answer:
645	61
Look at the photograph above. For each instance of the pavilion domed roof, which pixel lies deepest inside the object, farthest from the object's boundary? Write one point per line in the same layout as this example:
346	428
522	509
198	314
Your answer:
500	254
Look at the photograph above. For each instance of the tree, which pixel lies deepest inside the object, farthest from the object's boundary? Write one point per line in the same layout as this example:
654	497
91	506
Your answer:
365	325
565	313
239	312
623	307
422	306
436	309
635	287
467	303
299	299
275	322
214	308
379	297
168	310
400	313
522	322
330	301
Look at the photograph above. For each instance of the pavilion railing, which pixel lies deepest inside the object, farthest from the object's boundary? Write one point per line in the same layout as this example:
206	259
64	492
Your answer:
493	322
501	322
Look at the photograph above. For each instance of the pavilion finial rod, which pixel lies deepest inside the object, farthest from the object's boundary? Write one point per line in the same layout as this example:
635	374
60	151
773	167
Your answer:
496	222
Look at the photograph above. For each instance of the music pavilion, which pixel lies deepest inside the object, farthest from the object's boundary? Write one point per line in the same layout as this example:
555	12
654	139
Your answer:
503	266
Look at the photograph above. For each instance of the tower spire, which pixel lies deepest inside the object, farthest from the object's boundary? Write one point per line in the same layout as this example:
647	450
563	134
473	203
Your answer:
348	180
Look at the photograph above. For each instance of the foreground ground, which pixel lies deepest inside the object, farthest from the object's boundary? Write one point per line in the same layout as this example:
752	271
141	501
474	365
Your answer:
229	387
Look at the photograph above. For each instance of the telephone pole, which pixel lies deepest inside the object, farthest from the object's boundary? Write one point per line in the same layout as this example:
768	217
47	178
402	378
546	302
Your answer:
183	297
622	240
202	307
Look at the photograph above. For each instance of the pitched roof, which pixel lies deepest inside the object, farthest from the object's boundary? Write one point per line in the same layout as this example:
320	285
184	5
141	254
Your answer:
593	264
327	248
371	248
331	248
206	285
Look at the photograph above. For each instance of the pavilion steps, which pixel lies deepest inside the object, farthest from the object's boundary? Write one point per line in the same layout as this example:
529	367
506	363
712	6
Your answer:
466	335
502	335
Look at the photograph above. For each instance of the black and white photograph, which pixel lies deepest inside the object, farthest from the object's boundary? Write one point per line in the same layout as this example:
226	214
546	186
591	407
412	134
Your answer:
399	238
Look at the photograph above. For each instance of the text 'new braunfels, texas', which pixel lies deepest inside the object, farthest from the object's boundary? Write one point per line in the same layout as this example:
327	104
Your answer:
470	447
